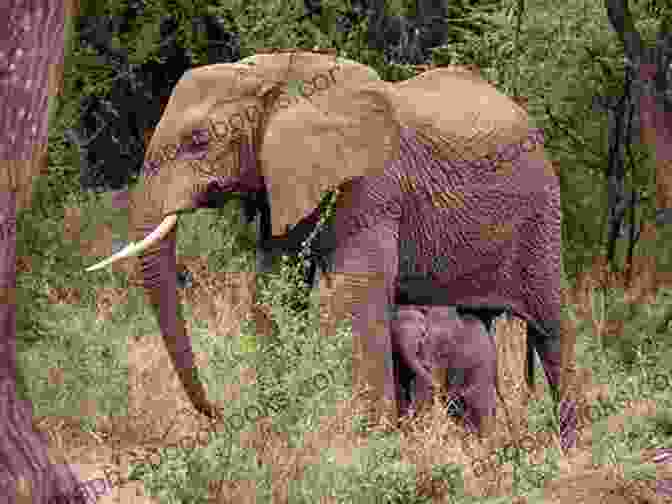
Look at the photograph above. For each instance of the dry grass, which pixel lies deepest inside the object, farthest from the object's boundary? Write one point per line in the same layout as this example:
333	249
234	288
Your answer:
432	438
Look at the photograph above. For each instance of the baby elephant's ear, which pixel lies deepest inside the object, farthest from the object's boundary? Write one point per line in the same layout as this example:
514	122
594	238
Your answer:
314	144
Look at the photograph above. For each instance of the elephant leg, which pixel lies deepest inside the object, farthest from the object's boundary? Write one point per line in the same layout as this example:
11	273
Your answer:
556	347
361	283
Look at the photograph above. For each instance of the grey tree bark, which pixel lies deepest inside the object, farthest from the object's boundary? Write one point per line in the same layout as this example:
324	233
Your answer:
652	85
31	59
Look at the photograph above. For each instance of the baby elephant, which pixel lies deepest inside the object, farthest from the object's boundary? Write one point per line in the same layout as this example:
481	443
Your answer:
433	338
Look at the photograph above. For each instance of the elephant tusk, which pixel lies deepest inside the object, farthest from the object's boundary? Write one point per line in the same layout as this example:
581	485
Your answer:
133	249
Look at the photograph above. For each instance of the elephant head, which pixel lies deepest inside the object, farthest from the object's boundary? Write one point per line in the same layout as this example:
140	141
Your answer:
291	124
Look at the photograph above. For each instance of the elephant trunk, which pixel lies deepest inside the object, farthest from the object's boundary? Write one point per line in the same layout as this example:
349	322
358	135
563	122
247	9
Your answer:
153	206
159	273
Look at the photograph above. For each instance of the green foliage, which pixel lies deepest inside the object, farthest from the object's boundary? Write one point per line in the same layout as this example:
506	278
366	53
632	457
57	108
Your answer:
636	344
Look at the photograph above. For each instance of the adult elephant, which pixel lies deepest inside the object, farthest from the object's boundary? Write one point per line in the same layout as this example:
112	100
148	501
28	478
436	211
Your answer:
439	176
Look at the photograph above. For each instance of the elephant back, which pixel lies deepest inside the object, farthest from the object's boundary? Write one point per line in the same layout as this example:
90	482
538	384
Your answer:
460	115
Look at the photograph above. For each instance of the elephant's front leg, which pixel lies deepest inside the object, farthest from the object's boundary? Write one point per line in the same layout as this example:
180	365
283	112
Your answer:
360	283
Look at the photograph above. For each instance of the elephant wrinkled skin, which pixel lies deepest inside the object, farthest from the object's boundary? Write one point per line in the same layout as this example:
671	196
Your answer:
438	177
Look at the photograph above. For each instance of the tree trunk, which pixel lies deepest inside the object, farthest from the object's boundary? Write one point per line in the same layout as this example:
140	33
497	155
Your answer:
655	108
31	60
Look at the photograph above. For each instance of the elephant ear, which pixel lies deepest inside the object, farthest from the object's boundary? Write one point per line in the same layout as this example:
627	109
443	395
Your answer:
315	144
